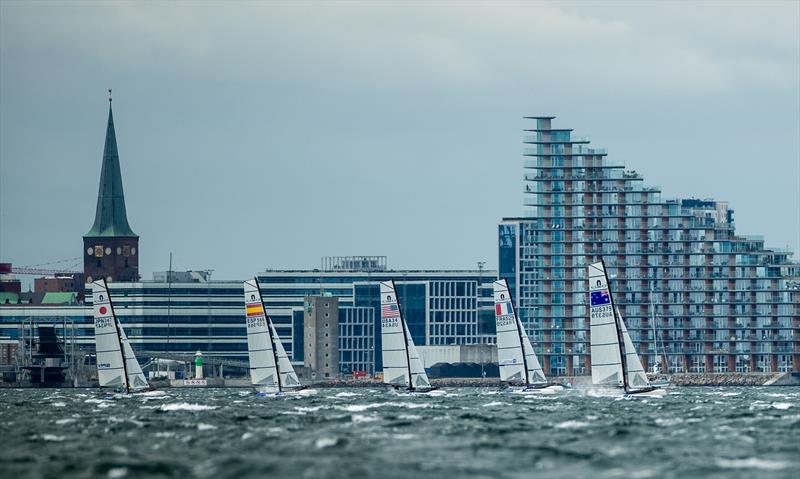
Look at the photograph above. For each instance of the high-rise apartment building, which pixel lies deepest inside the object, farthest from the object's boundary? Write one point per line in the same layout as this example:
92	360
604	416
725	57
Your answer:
695	296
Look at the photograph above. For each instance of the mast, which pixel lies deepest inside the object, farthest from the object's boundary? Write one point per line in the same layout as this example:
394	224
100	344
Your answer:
617	319
653	321
624	362
119	338
518	323
271	338
406	334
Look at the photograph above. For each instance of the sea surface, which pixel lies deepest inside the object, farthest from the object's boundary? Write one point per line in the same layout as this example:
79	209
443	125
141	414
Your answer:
349	433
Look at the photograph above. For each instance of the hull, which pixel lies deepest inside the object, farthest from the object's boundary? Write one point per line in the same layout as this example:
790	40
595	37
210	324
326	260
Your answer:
660	383
525	391
272	393
132	394
419	392
650	392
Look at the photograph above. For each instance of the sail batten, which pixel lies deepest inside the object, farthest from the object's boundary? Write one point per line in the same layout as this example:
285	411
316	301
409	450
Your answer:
116	362
516	357
613	357
606	359
402	363
270	367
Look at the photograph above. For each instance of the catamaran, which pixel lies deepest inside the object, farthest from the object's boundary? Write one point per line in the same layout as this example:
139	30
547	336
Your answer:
271	372
614	359
519	366
402	365
117	366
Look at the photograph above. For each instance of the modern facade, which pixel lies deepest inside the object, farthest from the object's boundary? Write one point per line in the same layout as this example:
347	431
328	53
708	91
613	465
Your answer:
356	340
695	296
442	307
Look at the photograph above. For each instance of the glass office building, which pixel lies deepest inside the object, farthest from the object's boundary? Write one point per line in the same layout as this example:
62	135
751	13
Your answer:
441	307
694	295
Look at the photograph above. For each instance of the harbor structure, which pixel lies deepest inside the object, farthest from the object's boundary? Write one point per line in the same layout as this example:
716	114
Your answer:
696	296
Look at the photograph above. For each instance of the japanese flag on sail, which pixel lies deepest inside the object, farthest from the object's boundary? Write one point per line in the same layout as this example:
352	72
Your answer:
502	309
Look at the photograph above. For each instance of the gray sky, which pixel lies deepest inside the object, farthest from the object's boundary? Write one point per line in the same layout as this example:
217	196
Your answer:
257	135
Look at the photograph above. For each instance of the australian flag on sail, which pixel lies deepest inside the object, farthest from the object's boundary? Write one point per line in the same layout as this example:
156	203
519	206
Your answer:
600	298
502	309
389	311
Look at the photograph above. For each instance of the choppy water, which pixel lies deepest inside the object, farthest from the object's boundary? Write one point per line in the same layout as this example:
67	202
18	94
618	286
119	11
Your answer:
218	433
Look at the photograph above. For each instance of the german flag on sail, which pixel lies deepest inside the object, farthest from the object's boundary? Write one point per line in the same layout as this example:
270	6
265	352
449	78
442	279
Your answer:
254	310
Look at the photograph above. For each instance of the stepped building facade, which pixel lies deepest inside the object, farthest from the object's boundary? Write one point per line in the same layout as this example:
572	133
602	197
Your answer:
695	296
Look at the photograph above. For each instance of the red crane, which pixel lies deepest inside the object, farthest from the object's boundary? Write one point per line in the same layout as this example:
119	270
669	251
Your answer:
42	269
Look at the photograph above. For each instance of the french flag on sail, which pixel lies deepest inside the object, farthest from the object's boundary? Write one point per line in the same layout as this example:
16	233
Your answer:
502	309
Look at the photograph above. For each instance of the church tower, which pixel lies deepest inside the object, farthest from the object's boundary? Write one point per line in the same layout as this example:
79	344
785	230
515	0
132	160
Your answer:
111	248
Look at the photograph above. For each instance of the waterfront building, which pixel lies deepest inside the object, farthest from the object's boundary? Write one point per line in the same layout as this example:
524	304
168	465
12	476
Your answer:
161	317
321	337
696	297
356	340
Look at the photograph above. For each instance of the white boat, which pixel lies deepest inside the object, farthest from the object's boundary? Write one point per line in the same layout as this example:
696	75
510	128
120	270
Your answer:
402	365
614	359
271	372
117	366
519	365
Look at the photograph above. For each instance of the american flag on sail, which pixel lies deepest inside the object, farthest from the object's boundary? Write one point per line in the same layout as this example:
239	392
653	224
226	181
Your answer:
389	311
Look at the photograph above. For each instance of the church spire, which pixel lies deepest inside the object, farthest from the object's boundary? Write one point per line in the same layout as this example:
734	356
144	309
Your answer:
110	217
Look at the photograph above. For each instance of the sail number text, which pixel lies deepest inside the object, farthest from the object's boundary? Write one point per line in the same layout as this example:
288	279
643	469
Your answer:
256	322
390	322
505	320
103	322
604	311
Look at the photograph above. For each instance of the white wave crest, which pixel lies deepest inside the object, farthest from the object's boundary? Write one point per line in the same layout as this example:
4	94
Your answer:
571	424
185	406
752	463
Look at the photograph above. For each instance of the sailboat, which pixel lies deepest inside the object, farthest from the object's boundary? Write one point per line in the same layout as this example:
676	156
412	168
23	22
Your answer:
117	366
519	365
614	359
402	365
655	380
271	372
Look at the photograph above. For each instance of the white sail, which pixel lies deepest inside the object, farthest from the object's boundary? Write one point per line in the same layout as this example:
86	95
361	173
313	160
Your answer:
402	365
110	369
637	377
113	350
605	351
514	350
136	378
263	368
289	378
535	371
419	379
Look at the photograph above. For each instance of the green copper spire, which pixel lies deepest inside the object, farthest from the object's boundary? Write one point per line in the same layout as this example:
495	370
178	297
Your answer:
110	218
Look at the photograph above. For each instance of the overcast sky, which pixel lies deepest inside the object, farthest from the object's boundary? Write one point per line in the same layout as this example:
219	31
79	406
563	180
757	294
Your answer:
255	135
